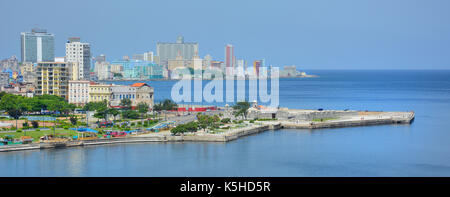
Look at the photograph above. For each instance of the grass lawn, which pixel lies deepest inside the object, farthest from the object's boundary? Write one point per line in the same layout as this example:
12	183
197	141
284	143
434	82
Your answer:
37	134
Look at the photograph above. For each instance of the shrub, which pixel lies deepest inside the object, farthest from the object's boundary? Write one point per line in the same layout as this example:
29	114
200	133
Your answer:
252	121
19	130
25	124
35	124
66	127
38	130
225	120
73	120
131	114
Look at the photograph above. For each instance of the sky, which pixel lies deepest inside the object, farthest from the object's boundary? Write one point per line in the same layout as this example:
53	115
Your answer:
319	34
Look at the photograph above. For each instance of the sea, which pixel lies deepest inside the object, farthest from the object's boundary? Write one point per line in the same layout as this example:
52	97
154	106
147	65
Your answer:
419	149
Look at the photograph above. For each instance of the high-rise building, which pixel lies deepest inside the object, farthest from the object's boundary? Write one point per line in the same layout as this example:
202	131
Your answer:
196	62
73	71
241	64
177	62
137	57
52	78
229	57
148	56
79	52
37	46
256	65
102	70
207	62
167	51
100	58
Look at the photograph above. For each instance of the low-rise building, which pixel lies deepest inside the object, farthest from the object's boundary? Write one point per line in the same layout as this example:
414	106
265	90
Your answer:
138	92
79	92
99	92
4	78
22	89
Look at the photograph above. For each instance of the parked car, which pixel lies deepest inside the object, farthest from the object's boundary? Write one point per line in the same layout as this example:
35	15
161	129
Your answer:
320	109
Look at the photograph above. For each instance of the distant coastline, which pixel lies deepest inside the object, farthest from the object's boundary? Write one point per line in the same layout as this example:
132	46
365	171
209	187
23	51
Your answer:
133	80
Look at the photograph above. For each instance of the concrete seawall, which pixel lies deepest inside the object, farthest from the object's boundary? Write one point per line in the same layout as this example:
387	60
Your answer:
393	118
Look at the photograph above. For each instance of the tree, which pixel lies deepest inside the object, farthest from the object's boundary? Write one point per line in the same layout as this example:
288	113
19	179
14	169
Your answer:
14	113
125	103
118	75
9	101
73	120
96	106
142	109
2	94
225	120
14	105
205	121
131	114
167	104
182	128
101	112
59	106
241	108
114	112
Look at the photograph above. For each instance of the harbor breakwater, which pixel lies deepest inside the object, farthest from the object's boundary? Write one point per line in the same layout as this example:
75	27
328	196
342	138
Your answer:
232	134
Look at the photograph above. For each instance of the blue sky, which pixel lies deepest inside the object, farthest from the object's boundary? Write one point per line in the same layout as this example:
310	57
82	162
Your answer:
319	34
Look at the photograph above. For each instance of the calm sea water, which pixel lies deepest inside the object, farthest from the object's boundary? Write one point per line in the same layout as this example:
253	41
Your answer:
419	149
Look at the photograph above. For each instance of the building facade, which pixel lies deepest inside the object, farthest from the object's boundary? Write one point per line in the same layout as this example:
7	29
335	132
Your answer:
99	92
37	46
22	89
52	78
102	70
78	92
136	69
256	65
80	53
138	92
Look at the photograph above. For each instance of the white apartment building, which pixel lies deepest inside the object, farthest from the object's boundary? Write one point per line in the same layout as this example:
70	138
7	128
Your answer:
79	52
79	92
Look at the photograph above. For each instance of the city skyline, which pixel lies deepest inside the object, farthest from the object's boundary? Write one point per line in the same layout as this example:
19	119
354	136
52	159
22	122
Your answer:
321	35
